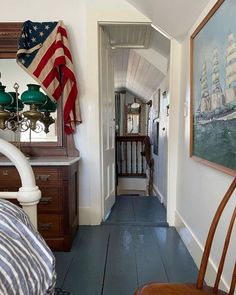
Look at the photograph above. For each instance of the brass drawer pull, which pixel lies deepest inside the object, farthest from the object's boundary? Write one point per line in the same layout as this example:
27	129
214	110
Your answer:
5	172
45	226
42	177
45	200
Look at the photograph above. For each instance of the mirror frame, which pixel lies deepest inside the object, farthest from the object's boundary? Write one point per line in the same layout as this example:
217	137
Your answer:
9	36
126	113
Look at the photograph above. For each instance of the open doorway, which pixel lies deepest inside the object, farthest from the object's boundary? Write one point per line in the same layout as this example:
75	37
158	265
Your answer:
140	56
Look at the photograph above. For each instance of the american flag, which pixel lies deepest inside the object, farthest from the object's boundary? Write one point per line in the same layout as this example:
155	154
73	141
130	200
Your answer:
44	53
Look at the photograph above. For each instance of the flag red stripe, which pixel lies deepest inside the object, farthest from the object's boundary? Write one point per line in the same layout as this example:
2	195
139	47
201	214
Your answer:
49	53
62	31
70	102
50	77
44	60
67	53
68	73
64	81
60	60
57	92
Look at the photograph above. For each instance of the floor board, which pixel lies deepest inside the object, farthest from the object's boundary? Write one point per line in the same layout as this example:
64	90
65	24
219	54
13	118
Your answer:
120	275
87	268
125	252
150	266
179	265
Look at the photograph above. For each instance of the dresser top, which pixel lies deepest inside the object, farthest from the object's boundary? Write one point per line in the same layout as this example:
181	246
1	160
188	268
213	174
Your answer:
45	161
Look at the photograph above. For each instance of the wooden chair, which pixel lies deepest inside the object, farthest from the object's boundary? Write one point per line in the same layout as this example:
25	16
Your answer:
199	288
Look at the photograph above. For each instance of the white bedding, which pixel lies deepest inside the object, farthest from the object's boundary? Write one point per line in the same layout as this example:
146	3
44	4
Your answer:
27	265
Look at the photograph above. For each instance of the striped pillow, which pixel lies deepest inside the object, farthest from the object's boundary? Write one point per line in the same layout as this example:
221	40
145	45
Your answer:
27	265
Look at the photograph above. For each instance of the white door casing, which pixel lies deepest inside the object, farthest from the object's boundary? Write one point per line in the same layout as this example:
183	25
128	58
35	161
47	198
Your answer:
107	120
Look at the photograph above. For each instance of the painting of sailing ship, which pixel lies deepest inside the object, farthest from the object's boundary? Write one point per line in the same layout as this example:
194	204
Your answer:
214	88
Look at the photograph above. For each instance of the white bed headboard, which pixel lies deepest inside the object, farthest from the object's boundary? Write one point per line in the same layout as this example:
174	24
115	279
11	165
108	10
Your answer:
29	194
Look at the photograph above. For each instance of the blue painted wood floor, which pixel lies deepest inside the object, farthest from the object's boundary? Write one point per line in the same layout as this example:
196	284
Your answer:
125	252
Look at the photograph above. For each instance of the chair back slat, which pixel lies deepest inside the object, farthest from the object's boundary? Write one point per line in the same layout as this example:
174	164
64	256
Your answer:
211	233
233	282
223	256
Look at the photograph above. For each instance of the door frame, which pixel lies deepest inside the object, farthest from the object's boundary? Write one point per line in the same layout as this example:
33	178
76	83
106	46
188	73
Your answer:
174	118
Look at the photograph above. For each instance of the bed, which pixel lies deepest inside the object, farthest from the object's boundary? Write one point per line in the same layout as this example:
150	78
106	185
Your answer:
27	265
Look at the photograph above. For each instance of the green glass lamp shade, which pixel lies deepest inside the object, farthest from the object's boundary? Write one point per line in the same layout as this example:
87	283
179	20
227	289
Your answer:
12	107
49	106
5	98
33	95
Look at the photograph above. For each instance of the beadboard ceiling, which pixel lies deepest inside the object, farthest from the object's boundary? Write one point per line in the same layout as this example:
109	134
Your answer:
141	57
129	35
135	73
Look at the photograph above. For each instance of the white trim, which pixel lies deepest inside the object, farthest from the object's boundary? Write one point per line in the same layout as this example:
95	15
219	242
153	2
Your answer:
164	33
196	250
84	216
101	128
45	161
173	130
110	23
158	193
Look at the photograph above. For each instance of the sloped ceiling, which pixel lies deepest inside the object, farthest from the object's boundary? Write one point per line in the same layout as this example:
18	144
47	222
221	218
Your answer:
175	17
140	55
135	73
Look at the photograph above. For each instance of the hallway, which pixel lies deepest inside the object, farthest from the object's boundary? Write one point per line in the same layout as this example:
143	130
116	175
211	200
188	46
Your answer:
125	252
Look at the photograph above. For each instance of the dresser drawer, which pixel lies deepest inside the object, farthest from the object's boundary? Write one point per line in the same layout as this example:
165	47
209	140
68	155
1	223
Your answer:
9	177
43	176
51	200
57	208
47	176
50	225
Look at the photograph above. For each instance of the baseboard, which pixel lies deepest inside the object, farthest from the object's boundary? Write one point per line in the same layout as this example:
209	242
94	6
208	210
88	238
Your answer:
84	216
158	193
196	249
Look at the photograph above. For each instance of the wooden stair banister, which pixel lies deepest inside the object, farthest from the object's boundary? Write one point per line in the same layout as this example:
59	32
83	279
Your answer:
129	160
150	162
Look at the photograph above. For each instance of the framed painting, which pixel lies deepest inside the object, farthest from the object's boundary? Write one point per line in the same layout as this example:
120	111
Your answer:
213	89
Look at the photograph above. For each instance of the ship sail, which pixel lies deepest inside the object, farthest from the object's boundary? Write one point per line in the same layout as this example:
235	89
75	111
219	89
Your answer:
230	82
205	97
217	97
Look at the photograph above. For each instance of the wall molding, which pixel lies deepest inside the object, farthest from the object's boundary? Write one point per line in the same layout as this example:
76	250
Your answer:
196	249
158	193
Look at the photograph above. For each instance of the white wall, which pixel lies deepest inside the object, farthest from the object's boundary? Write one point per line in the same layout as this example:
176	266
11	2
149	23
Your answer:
200	188
81	18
